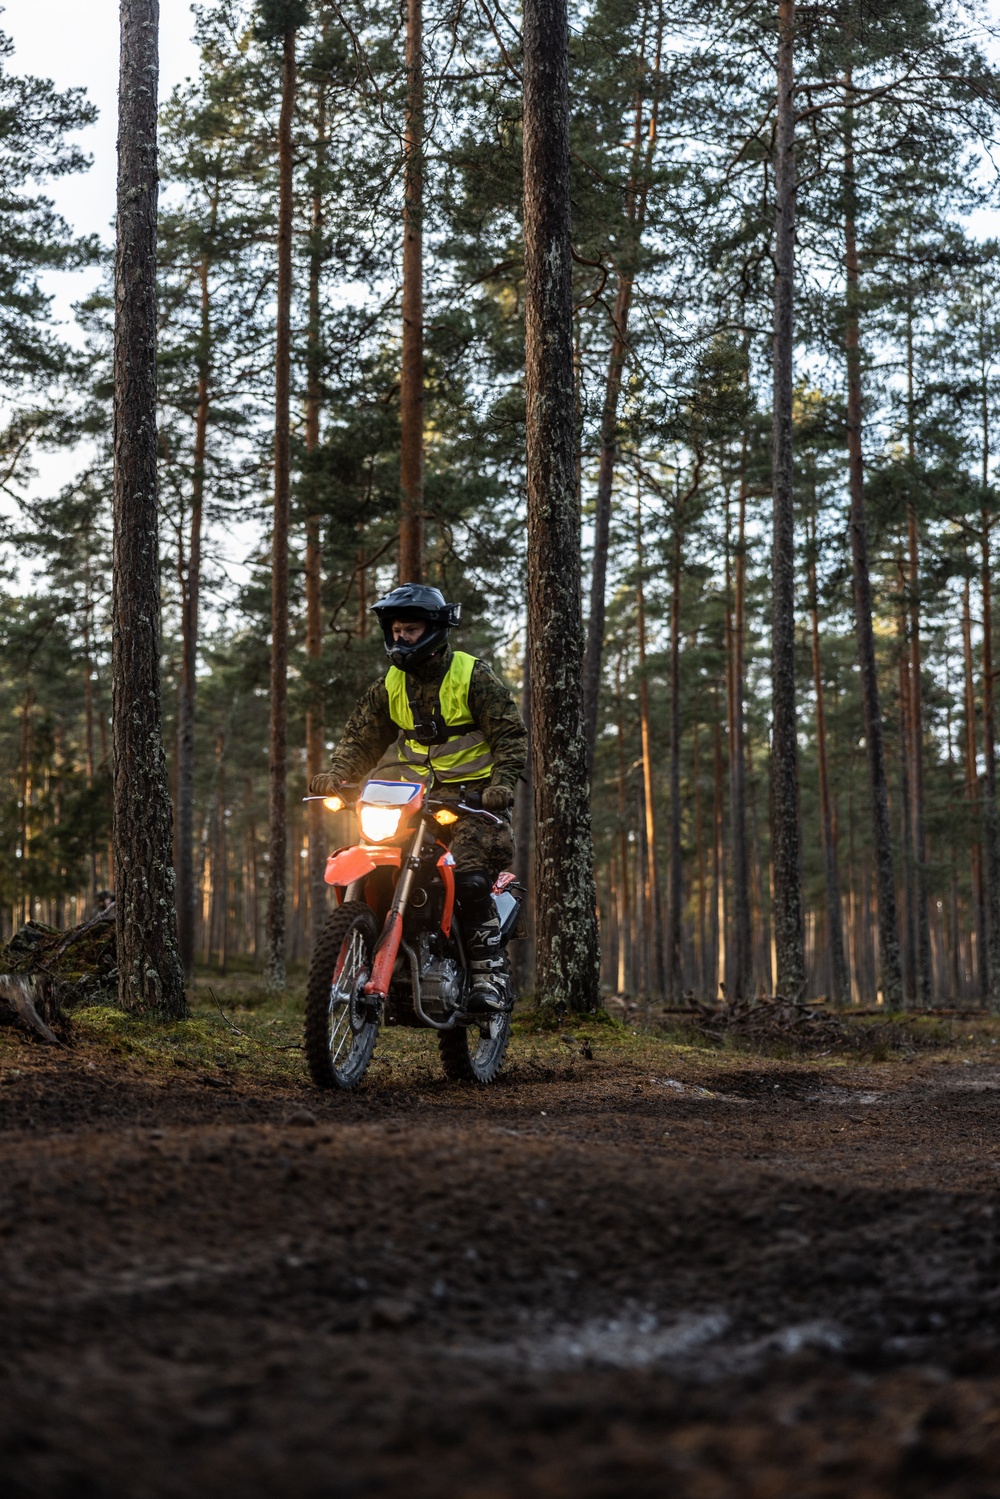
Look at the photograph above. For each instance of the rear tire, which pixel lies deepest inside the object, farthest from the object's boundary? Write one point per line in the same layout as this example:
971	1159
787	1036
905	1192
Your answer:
341	1029
469	1057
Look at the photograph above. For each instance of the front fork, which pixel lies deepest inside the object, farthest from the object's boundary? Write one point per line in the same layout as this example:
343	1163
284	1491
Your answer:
387	947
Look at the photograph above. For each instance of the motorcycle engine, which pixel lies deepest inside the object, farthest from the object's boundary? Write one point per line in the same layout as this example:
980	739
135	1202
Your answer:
440	982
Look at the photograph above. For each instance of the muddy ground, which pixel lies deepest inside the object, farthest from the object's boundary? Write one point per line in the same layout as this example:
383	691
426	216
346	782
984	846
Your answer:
663	1271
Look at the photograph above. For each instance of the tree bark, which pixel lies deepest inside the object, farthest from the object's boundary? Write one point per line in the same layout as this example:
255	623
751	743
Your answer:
150	980
189	644
972	795
908	906
523	952
638	191
568	955
741	983
839	981
918	831
654	903
277	799
674	955
890	979
787	910
989	797
411	385
314	624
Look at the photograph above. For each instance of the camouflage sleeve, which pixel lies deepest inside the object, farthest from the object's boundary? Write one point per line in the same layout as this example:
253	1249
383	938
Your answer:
367	735
496	714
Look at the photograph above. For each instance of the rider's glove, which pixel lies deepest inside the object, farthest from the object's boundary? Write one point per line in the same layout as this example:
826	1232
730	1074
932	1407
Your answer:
497	798
324	784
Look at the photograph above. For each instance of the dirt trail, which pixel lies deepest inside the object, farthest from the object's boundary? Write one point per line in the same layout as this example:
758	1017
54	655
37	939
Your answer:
613	1279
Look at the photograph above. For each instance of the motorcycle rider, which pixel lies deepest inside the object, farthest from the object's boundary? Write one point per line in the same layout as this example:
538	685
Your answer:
442	716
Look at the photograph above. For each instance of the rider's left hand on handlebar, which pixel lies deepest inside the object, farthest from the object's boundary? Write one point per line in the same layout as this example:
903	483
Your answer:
497	798
325	784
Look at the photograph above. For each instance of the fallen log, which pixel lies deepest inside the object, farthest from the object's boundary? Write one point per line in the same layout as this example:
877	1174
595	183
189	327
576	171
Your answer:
46	972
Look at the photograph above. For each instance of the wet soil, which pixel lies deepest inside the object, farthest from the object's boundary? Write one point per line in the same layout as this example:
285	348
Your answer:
654	1273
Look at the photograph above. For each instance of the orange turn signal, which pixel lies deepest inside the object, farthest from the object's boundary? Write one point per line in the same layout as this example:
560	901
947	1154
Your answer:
333	803
445	817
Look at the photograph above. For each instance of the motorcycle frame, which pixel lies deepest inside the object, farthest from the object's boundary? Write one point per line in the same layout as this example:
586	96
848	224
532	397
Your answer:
348	870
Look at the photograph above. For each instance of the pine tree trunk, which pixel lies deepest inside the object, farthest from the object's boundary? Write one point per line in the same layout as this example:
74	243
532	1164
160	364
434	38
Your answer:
972	795
277	849
411	385
625	955
889	978
699	839
523	953
839	981
638	192
314	623
989	802
189	646
654	904
718	869
908	905
742	977
787	910
675	892
568	953
150	978
602	514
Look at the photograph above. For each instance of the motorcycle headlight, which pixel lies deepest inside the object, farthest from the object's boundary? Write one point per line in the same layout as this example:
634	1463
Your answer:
380	823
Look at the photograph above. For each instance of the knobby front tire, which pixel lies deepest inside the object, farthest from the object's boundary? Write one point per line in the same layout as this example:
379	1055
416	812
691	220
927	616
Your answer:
340	1030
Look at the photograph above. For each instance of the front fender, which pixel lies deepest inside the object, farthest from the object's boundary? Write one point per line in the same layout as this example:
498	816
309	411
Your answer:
350	864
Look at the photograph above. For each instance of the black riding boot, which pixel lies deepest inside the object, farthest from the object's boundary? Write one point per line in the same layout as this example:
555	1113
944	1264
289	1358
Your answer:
481	935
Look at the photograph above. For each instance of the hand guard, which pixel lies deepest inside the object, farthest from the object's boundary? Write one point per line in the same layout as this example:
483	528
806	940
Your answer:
497	798
324	784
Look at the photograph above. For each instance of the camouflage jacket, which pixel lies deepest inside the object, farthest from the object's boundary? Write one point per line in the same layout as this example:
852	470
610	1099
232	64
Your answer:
370	730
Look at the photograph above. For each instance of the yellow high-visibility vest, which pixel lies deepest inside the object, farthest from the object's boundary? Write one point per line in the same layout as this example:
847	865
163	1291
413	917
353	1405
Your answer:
465	754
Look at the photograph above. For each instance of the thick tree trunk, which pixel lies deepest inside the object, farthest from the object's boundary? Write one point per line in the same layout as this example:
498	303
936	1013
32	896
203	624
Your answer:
568	955
189	646
315	755
411	385
277	800
839	981
890	980
150	979
787	911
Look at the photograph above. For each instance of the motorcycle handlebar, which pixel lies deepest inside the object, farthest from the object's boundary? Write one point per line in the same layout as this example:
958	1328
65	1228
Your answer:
348	793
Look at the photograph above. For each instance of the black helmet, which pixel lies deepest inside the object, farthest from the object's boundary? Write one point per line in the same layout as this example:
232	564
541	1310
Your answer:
416	601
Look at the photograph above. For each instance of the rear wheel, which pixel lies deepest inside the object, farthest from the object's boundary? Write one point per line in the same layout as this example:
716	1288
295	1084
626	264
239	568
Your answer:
475	1053
341	1025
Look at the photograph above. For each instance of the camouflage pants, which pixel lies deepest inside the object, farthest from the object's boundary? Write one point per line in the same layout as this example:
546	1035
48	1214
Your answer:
480	844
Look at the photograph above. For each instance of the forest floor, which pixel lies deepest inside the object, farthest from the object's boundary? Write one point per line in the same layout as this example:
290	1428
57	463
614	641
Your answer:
664	1269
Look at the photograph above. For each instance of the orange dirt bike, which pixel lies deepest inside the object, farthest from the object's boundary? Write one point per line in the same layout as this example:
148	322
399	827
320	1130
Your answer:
391	953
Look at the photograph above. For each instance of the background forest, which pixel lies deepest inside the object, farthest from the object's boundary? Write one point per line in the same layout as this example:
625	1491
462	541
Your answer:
897	360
